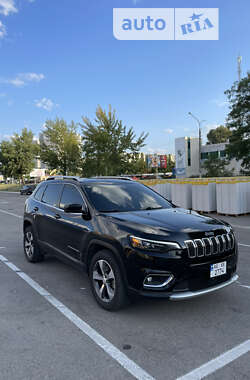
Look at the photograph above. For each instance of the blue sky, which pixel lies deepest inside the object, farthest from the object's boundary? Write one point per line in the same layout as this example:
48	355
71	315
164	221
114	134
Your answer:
59	58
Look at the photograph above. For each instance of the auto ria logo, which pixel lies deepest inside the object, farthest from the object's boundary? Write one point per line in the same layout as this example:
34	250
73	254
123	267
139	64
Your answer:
166	23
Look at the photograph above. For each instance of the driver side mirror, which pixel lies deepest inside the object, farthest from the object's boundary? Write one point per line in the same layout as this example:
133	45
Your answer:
76	208
73	208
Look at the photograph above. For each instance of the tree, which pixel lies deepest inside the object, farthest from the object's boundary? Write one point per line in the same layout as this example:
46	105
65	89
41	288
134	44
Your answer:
238	121
7	159
17	156
60	147
218	135
216	167
108	147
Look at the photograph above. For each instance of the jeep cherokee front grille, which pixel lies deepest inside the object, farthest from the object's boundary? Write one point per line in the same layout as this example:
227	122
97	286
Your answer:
210	246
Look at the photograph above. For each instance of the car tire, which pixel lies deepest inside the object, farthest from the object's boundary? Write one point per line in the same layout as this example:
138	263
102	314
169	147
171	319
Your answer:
31	249
107	283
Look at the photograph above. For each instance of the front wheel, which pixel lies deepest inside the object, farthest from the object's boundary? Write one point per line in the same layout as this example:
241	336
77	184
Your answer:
107	283
31	248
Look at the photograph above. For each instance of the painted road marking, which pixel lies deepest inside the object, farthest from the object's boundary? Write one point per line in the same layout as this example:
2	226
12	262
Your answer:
103	343
217	363
10	192
243	286
244	245
237	226
10	213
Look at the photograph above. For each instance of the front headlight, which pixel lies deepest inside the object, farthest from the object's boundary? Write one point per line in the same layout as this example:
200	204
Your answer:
152	245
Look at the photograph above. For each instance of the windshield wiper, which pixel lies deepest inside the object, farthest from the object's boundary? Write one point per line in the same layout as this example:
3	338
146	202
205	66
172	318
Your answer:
152	208
110	211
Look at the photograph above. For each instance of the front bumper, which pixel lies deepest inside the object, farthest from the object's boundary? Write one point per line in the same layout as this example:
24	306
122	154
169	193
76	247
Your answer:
187	295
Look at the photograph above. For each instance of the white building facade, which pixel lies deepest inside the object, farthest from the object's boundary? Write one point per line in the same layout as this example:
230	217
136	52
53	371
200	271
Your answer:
187	157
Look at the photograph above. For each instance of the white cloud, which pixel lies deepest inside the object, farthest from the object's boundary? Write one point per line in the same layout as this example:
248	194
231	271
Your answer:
45	104
24	78
3	32
6	137
168	131
7	7
220	103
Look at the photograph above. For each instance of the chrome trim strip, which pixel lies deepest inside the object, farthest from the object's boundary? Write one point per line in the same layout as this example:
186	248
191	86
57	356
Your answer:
166	282
223	242
210	244
231	240
227	240
203	247
218	244
188	295
186	242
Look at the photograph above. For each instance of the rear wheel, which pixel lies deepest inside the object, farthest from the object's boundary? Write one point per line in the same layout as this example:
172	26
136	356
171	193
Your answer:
31	248
107	283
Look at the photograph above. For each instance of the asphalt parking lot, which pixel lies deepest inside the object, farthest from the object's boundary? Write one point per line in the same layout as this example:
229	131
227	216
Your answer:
207	337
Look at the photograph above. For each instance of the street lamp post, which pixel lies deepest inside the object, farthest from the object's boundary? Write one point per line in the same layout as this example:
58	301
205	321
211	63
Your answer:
199	125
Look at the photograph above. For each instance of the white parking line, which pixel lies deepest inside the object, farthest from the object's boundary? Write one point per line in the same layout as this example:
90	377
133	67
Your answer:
244	245
103	343
10	213
237	226
245	286
217	363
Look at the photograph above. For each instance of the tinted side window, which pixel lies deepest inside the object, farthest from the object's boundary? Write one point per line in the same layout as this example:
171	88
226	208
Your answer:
52	194
70	195
39	193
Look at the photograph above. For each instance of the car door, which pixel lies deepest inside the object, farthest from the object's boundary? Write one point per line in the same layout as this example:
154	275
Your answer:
47	220
72	227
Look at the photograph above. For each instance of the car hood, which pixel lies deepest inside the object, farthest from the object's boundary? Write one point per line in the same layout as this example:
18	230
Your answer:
168	220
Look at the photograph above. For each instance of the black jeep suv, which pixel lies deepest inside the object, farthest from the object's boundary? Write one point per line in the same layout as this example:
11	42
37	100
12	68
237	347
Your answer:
129	239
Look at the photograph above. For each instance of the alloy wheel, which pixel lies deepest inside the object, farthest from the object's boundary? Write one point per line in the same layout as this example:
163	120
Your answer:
104	280
29	244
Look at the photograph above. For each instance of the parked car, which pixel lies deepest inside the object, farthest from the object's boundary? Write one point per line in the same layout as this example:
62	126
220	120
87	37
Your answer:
27	189
129	239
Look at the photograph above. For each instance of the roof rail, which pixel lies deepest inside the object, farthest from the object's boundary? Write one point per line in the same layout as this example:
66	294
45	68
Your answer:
73	178
113	177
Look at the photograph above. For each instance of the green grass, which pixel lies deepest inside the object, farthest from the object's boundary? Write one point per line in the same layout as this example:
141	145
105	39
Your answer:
9	187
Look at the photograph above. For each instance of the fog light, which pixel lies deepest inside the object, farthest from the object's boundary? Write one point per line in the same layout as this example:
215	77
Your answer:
158	281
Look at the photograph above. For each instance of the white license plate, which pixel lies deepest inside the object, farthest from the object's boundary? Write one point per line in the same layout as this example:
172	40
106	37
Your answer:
218	269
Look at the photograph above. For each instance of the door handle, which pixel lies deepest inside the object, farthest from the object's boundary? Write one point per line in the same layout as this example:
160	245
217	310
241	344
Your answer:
57	216
35	209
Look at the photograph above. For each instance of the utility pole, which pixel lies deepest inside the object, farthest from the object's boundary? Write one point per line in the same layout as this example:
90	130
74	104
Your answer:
239	59
199	125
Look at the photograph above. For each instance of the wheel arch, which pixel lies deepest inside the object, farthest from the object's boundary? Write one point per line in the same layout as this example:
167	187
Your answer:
97	245
26	223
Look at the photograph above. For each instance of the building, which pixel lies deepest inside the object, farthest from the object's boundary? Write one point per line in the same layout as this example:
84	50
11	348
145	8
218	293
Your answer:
187	157
219	151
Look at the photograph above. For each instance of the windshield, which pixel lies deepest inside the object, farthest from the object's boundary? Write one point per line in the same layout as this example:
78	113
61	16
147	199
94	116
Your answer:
122	197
